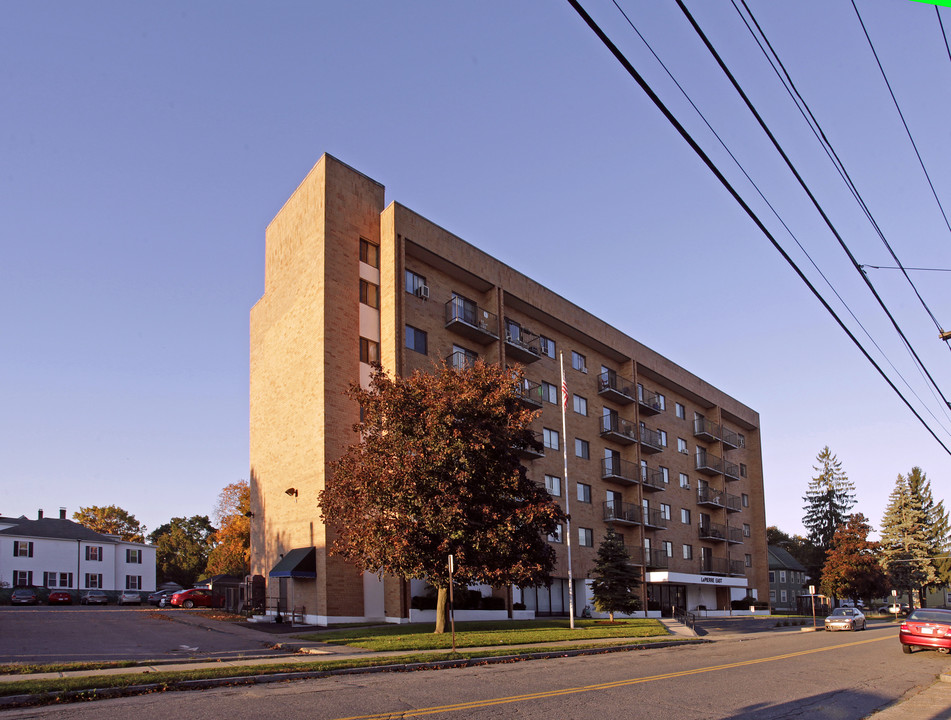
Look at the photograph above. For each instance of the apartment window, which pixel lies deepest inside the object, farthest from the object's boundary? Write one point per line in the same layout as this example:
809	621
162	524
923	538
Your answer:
93	580
685	481
663	437
22	577
748	560
369	253
688	552
665	511
661	401
463	358
549	393
682	446
414	282
742	438
746	500
585	537
369	294
746	530
547	346
22	548
416	339
133	582
580	404
133	556
551	439
369	351
584	493
742	469
94	553
668	548
680	411
553	485
555	537
578	362
582	449
685	516
782	576
665	475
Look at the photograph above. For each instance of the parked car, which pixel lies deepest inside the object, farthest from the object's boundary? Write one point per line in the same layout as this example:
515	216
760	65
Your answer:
24	596
927	628
94	597
130	597
60	597
160	597
197	597
845	618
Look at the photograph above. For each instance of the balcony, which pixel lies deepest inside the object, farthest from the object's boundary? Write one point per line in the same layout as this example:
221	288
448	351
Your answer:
649	401
710	497
708	463
715	565
530	393
734	535
461	360
652	479
731	471
730	439
622	513
705	430
734	503
618	430
534	450
712	531
654	520
650	440
636	553
521	345
657	559
615	388
466	318
618	471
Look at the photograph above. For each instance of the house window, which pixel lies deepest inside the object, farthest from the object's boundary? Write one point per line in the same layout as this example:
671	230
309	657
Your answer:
665	474
578	362
416	339
772	596
684	480
553	485
584	493
748	560
668	548
93	580
133	556
585	537
685	516
772	576
782	596
582	449
133	582
680	411
682	446
547	346
688	552
746	500
551	439
549	393
369	294
94	553
22	548
580	404
369	351
665	511
66	580
369	253
22	577
54	579
414	282
663	437
782	576
746	530
555	537
742	469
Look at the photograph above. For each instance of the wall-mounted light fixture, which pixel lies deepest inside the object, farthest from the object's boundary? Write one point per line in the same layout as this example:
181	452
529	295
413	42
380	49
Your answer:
249	514
291	491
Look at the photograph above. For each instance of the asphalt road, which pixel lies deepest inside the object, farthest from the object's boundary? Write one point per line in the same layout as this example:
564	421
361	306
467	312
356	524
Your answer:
763	675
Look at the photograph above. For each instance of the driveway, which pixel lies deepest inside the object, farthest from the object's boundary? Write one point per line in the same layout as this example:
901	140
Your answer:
67	634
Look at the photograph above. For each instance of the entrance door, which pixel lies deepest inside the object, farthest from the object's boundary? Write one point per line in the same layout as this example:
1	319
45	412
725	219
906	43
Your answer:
667	597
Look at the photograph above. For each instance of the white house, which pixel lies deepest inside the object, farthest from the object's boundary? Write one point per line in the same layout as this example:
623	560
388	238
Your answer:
59	553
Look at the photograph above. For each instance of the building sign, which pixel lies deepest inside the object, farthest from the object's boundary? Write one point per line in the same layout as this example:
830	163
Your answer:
710	580
690	579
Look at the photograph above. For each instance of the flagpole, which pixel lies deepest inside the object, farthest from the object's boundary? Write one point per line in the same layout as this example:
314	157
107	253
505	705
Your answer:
564	435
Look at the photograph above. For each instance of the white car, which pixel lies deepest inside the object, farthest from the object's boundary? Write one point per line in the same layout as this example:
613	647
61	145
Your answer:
130	597
846	618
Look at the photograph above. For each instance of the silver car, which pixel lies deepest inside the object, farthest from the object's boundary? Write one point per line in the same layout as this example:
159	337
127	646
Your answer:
846	618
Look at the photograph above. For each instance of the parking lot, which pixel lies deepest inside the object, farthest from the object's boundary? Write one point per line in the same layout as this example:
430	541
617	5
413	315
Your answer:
42	634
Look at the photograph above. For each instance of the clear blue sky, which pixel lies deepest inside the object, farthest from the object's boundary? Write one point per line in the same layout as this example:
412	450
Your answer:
144	147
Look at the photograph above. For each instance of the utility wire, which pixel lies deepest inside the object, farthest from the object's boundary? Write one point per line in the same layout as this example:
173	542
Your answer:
626	64
943	33
889	267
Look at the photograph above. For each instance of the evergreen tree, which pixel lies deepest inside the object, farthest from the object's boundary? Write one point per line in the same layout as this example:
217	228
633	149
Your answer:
829	499
937	525
852	569
615	578
907	541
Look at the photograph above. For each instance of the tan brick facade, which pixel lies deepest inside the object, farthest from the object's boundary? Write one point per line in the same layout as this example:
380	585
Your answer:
305	350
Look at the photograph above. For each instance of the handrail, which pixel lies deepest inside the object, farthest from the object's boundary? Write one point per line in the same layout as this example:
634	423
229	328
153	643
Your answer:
684	617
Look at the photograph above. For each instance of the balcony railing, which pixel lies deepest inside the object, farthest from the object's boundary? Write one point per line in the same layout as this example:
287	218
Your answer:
521	344
530	393
622	512
709	496
731	471
731	440
734	503
649	402
469	320
461	360
715	565
534	450
734	534
616	388
706	430
650	440
708	463
618	471
636	553
712	531
652	478
657	559
654	519
617	429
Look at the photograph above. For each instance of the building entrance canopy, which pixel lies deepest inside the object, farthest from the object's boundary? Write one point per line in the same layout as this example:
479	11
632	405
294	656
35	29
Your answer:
689	579
298	563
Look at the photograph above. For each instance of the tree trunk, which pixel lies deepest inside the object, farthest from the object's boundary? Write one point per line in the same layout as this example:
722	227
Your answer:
442	610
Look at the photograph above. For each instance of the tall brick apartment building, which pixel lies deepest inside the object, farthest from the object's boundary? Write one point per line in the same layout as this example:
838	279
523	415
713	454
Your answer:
672	463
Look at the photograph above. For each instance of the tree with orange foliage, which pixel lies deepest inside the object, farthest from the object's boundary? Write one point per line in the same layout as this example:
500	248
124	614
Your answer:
232	552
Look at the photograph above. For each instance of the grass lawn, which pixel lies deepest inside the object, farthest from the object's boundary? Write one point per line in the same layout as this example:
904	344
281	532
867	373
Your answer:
486	634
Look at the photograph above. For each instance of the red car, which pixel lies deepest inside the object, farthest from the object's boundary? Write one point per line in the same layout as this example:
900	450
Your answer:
927	628
197	597
60	597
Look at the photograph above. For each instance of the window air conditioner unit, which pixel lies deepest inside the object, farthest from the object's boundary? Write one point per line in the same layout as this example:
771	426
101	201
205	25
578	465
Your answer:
684	452
423	292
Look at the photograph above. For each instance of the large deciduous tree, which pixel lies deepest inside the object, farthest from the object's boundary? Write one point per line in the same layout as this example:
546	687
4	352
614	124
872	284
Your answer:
182	547
231	554
614	579
437	473
829	499
111	520
852	568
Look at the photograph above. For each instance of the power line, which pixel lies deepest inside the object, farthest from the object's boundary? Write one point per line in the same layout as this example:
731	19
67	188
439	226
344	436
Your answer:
626	64
889	267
